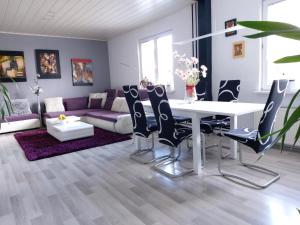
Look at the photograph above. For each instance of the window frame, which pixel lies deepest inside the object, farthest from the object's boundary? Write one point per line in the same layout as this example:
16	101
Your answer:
264	68
154	38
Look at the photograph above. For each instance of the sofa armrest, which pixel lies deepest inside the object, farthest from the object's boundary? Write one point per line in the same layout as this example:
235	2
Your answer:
124	124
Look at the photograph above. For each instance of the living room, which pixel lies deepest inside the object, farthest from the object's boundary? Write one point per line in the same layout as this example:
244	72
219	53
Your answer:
138	112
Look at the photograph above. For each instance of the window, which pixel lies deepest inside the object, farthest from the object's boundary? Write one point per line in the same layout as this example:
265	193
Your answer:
275	47
156	59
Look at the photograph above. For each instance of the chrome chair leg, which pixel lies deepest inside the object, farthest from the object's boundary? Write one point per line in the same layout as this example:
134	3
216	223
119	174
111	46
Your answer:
170	167
133	138
235	177
140	155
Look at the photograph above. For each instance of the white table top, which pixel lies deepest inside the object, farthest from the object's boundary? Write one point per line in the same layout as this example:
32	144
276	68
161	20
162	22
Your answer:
213	107
53	121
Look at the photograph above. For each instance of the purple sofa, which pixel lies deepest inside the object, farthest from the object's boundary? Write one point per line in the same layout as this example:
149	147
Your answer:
104	118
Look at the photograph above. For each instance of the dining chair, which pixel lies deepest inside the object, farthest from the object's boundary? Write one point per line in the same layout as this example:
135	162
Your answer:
143	126
201	90
254	138
228	92
170	133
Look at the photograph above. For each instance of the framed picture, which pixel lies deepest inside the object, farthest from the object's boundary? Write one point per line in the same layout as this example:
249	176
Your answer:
82	72
229	24
12	66
238	49
47	64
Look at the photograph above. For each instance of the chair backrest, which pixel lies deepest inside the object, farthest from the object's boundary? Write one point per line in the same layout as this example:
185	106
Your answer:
229	90
163	115
201	90
268	118
136	110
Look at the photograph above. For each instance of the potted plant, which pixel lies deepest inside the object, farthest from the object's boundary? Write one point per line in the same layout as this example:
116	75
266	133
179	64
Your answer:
5	103
284	30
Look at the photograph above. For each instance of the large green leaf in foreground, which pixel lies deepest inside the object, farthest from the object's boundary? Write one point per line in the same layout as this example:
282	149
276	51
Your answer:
268	28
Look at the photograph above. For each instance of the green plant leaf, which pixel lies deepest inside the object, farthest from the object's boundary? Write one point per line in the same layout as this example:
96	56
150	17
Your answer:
297	135
2	113
291	34
298	211
270	134
287	115
6	98
267	25
289	59
4	88
259	35
285	30
7	106
294	118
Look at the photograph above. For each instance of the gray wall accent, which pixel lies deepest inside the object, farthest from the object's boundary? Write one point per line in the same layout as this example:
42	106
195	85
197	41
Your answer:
68	48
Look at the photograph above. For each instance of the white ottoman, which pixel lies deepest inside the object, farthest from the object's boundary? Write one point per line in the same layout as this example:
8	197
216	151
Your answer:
69	130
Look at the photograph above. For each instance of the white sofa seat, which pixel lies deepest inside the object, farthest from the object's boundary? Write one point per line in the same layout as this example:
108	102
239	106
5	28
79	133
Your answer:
17	123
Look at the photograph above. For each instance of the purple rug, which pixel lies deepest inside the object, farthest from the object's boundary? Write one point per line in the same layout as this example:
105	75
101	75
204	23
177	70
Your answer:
38	144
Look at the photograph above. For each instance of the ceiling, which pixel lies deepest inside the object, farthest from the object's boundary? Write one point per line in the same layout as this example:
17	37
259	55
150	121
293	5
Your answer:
89	19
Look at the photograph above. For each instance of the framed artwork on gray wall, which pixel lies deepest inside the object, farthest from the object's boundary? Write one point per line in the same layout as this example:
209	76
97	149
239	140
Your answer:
238	49
82	72
12	66
47	64
229	24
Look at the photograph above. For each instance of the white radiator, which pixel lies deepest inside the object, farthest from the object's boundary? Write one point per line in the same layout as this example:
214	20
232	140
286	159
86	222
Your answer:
289	140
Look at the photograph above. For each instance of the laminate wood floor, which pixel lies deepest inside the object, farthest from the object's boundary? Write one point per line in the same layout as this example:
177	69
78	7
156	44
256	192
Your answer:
103	186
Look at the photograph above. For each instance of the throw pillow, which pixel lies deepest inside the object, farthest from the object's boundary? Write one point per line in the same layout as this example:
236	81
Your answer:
111	95
20	107
72	104
96	103
98	95
124	107
117	104
54	104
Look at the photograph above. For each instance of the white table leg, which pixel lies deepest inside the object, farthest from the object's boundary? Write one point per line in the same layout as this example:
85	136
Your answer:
197	163
233	144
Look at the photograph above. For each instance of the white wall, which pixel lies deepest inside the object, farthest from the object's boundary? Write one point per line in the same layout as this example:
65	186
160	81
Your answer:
246	69
124	48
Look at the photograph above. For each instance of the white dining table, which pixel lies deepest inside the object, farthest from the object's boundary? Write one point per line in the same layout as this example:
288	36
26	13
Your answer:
199	109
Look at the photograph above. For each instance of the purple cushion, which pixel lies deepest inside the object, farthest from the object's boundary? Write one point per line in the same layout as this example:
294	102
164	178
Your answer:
79	113
106	115
21	117
111	95
79	103
143	94
111	92
120	93
96	103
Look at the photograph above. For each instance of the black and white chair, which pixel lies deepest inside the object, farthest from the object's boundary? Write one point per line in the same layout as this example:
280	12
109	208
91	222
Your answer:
170	133
201	90
228	92
143	126
253	138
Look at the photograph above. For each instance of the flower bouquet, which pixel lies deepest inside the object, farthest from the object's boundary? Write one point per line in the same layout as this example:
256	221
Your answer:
187	70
